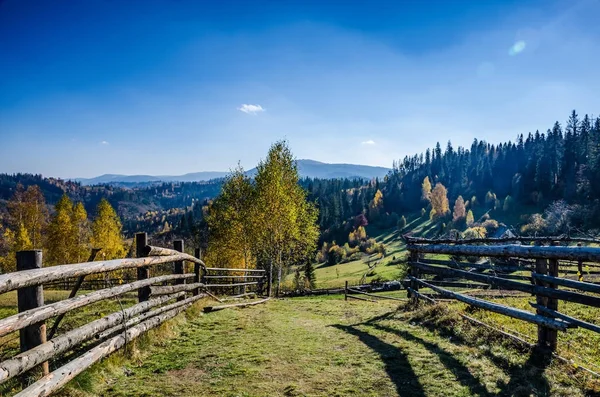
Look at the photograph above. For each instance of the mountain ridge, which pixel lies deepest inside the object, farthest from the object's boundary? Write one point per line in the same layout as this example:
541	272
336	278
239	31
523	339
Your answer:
306	168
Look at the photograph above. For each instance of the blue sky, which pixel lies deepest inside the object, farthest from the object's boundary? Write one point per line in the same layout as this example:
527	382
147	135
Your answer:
169	87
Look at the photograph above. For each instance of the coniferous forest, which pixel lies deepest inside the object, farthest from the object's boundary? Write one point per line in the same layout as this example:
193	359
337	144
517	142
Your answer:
537	176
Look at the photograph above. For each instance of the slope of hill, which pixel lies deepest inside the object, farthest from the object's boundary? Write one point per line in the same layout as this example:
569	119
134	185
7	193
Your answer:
306	168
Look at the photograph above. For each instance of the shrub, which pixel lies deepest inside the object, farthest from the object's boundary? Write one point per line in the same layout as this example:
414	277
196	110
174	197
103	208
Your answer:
536	224
336	255
490	226
475	232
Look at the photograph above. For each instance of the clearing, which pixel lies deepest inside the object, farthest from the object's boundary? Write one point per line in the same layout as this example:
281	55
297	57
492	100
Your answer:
324	346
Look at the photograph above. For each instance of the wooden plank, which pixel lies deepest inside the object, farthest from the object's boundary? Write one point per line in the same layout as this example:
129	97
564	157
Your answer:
223	269
60	377
230	277
361	299
208	309
491	240
456	264
580	285
510	284
144	316
497	308
586	254
572	320
229	285
377	296
28	278
171	289
457	284
62	343
420	295
19	321
159	251
240	296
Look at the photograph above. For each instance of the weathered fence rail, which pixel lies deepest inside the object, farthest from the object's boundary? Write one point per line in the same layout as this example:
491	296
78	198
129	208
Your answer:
536	267
160	298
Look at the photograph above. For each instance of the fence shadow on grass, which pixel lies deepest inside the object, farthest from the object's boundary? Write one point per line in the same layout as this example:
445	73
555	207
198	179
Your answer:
396	362
462	373
524	379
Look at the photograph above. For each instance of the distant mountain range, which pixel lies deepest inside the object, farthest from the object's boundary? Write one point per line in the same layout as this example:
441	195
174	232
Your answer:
306	168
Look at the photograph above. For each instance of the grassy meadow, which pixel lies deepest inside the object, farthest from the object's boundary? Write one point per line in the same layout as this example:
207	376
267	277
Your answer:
324	346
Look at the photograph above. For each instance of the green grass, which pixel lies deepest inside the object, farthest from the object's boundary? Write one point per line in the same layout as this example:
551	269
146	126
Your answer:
329	347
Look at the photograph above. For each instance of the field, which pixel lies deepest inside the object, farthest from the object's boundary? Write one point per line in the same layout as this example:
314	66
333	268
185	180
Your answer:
326	347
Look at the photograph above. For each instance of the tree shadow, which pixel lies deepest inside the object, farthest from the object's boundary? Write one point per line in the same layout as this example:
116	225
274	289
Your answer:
396	362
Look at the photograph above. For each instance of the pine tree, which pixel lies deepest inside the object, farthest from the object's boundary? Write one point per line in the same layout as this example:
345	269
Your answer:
106	232
402	223
310	278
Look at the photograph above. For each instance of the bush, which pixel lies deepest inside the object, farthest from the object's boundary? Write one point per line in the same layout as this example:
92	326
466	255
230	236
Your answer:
490	226
536	224
475	232
336	255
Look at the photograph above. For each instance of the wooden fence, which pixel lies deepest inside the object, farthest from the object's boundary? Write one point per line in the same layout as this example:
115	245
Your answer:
529	267
160	298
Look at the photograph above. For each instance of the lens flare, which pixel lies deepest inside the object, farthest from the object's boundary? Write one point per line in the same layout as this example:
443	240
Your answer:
517	48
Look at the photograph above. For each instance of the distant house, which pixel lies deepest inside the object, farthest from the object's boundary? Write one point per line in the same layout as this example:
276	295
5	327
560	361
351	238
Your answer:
503	232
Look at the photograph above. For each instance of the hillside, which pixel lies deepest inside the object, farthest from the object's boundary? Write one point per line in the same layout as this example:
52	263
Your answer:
306	168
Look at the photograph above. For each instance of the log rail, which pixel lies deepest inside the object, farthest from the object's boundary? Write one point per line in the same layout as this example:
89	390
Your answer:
160	298
522	264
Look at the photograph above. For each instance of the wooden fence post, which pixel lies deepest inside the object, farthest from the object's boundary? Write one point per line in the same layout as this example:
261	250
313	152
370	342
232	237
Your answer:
270	287
552	303
197	271
580	267
141	241
30	298
346	291
414	271
541	267
178	265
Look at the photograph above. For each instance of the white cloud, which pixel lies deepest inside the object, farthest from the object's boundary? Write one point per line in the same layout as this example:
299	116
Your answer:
104	143
251	109
369	142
